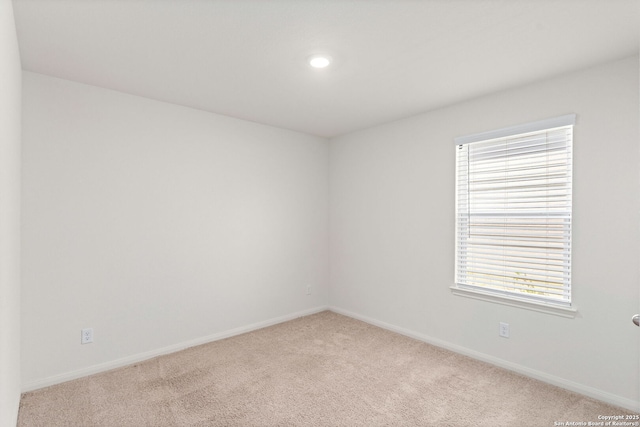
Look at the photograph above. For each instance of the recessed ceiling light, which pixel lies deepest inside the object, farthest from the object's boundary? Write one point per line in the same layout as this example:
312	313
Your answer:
319	61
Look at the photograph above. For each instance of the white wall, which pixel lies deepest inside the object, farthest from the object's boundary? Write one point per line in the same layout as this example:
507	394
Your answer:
10	106
392	233
159	225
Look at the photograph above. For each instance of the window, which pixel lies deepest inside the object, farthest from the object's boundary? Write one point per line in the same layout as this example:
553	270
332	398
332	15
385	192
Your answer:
513	212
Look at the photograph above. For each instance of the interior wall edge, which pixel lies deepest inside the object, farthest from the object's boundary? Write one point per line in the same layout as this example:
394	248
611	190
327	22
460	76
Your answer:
514	367
10	216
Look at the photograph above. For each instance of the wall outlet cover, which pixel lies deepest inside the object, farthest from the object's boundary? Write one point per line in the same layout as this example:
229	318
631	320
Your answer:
504	330
87	336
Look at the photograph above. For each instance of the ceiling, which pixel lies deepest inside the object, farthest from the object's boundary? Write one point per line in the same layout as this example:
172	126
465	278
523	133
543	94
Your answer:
392	58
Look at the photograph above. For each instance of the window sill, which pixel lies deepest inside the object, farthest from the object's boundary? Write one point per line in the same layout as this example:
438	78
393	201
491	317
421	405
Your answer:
568	312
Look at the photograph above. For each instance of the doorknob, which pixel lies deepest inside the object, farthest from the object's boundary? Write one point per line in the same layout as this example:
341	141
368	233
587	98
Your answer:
636	319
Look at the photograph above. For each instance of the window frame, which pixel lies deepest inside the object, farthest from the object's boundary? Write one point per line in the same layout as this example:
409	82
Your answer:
510	298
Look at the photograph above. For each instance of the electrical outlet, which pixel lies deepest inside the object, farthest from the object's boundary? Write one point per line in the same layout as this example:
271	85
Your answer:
504	330
87	336
308	289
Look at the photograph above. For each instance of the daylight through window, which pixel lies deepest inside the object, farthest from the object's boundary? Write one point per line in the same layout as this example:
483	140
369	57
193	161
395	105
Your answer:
513	211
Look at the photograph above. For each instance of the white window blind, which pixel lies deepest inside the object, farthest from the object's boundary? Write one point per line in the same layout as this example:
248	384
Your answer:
513	211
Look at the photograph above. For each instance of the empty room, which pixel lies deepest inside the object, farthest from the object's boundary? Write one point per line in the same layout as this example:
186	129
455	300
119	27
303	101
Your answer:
319	213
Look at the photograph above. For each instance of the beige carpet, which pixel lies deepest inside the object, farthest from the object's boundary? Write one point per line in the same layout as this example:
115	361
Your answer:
320	370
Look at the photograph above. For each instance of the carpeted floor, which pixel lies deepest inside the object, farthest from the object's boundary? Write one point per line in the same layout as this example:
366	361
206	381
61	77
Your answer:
320	370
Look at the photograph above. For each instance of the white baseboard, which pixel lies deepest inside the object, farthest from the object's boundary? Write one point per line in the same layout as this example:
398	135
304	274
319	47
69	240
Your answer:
118	363
603	396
